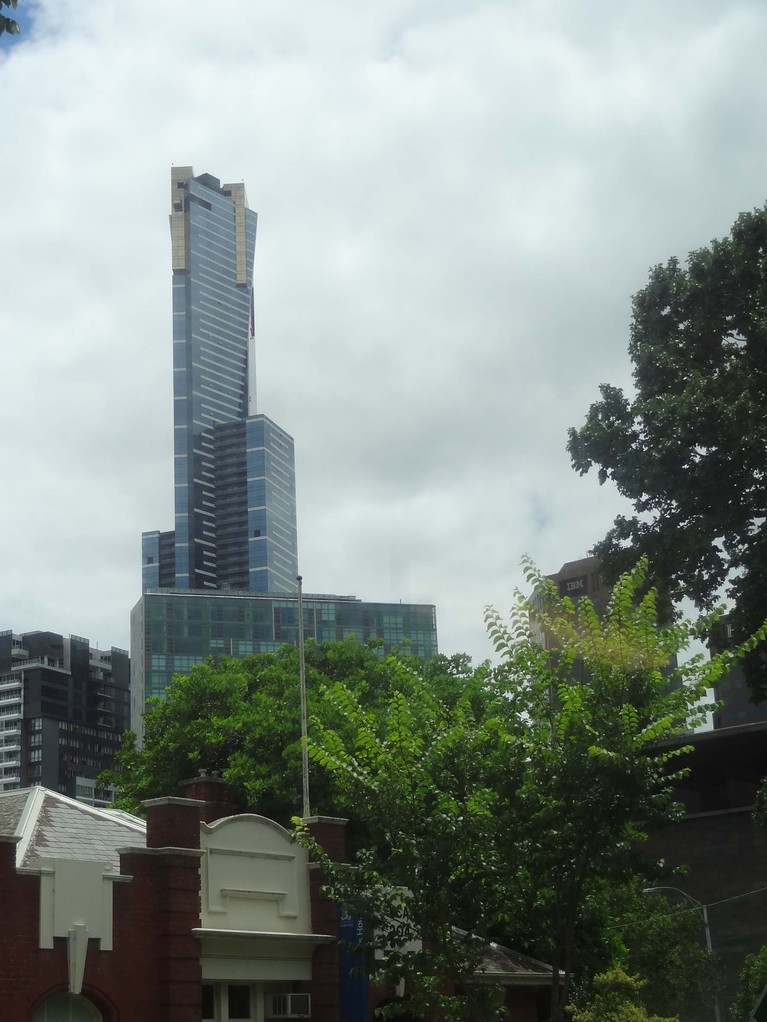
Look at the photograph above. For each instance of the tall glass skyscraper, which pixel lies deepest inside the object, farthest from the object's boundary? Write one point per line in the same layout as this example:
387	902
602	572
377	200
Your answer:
223	582
234	469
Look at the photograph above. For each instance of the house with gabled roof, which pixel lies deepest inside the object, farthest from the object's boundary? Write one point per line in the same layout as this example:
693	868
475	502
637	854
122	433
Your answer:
194	915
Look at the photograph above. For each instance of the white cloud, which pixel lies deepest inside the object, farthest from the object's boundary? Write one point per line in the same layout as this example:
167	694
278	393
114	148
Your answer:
456	202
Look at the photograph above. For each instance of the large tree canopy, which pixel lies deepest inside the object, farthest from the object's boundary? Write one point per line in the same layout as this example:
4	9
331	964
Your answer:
690	448
494	803
509	810
241	718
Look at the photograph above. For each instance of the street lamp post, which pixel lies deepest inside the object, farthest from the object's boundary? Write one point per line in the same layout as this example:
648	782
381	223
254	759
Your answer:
704	913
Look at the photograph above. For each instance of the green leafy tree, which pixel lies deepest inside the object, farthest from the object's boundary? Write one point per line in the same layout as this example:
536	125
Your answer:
8	24
664	944
617	999
689	448
241	718
430	778
647	936
596	774
505	812
750	984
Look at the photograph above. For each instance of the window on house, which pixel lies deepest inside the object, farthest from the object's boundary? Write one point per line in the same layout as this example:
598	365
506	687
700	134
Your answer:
231	1002
239	1001
208	1003
66	1008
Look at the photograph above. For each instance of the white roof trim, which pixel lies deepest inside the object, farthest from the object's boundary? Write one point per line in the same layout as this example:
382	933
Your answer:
27	822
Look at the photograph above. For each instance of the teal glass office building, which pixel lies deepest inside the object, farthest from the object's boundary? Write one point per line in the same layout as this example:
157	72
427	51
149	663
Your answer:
234	468
171	631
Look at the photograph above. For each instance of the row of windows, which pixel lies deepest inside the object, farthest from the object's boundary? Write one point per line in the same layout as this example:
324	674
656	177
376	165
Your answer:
350	615
81	729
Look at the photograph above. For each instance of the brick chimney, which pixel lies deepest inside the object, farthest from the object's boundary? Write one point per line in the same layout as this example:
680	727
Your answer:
214	792
173	822
330	832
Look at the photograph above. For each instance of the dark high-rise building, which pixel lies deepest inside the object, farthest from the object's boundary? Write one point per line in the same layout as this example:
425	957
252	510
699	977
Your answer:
574	580
234	470
582	578
63	708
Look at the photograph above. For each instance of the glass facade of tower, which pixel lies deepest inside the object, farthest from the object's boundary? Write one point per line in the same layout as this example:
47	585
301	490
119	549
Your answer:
234	474
223	582
173	631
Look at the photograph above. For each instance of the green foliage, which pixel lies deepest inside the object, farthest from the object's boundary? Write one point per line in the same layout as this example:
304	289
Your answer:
8	24
495	803
760	804
596	704
430	778
617	999
242	719
507	808
659	939
750	984
689	449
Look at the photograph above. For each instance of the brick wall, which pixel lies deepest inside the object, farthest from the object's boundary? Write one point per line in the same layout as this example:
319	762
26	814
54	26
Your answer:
215	795
153	973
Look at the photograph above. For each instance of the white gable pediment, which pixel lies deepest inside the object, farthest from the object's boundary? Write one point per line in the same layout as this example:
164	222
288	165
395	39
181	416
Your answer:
254	877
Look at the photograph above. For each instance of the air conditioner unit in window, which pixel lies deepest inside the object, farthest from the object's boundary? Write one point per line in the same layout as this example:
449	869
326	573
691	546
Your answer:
288	1006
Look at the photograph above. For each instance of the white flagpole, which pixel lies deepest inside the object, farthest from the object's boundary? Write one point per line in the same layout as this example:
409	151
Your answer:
302	678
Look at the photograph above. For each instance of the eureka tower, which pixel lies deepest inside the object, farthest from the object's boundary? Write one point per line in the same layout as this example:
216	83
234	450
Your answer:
234	469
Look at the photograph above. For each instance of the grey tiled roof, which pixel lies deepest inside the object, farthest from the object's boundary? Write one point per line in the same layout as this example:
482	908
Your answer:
11	807
511	967
502	961
51	825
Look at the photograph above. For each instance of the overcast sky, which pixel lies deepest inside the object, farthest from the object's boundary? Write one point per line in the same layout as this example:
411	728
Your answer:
456	202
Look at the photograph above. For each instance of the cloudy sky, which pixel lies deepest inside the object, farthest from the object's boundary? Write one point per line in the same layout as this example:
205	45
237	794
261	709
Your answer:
456	201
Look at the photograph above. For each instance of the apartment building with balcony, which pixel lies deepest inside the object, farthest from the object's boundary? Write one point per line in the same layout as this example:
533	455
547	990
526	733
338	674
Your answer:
63	708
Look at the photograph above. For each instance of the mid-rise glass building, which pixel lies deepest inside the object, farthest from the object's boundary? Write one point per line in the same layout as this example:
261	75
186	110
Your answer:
234	469
171	631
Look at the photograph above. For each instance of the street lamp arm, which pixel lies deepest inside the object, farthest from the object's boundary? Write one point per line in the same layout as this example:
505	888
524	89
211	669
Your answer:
678	890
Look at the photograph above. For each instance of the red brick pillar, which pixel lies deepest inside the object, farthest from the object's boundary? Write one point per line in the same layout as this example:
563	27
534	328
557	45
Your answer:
215	792
330	832
166	892
25	971
172	822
